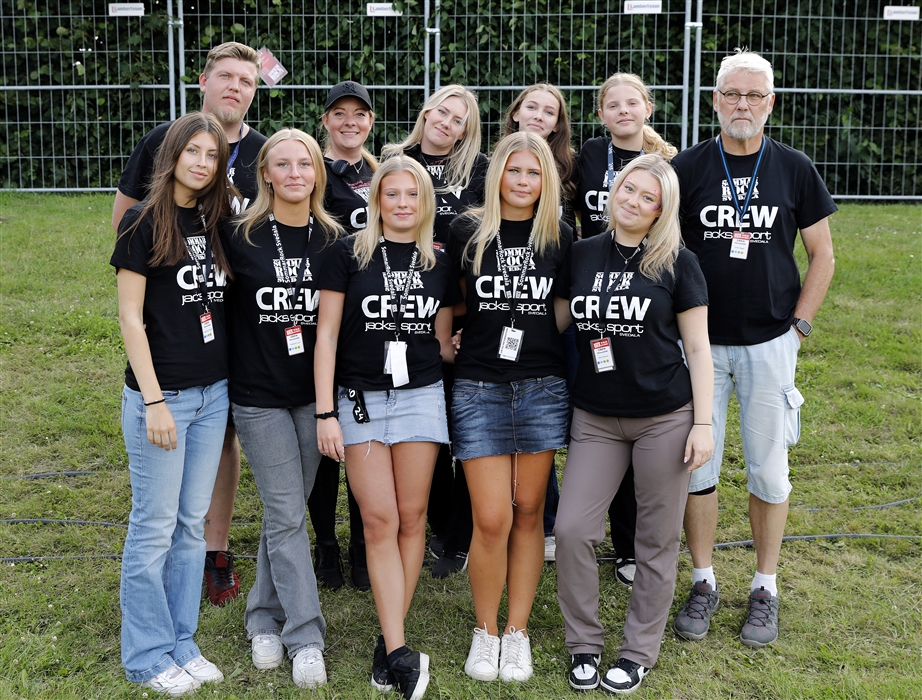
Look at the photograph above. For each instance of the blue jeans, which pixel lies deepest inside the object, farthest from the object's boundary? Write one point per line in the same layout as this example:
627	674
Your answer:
164	552
281	448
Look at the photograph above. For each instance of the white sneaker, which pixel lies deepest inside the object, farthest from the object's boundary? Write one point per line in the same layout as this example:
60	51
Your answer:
483	659
173	682
267	651
550	548
307	668
515	657
202	670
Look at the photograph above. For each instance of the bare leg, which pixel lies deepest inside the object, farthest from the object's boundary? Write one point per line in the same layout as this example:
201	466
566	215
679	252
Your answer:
701	528
218	517
767	521
392	484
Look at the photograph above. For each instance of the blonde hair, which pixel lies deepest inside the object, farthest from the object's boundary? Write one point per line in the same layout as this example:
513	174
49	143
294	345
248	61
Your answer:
366	240
652	141
259	211
742	60
546	223
232	49
464	152
559	139
664	239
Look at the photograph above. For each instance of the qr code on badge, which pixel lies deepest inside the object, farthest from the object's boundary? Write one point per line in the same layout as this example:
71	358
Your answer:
511	344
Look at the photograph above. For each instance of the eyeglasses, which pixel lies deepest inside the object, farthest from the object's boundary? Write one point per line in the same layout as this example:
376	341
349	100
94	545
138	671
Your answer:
753	98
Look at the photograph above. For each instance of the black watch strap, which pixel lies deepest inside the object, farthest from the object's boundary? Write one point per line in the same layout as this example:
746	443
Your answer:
803	326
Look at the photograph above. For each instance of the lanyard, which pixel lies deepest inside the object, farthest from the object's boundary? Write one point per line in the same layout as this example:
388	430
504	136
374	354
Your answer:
398	305
233	156
202	269
752	180
606	295
501	262
611	174
298	282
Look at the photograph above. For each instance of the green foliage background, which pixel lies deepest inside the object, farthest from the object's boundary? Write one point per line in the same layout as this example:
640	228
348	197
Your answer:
863	144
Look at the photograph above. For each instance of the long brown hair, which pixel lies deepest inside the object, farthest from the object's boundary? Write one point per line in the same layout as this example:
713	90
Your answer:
169	242
559	140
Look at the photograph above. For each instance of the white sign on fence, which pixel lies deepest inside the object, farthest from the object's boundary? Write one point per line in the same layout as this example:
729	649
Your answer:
901	12
381	9
126	9
643	7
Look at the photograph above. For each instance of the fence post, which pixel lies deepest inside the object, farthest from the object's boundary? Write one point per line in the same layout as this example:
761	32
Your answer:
696	107
182	58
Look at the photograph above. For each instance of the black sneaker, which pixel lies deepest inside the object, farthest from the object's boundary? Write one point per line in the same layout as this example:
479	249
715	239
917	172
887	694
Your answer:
625	570
625	677
381	677
437	546
328	568
449	563
359	573
410	671
584	671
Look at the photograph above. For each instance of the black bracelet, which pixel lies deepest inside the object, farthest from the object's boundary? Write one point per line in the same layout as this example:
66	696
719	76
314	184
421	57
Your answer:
329	414
701	424
152	403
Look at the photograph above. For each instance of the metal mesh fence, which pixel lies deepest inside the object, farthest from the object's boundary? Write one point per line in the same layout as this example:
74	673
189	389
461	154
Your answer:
79	88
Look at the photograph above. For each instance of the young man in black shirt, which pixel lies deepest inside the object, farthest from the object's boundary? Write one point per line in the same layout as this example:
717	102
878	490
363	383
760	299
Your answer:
744	197
228	86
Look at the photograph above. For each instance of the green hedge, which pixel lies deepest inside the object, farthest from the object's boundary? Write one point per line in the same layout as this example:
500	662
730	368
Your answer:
863	144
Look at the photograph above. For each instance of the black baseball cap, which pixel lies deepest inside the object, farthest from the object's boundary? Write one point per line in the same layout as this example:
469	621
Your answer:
348	88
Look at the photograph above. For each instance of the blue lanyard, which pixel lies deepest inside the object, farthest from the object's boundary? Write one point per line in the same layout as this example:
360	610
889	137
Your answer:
611	174
233	156
752	180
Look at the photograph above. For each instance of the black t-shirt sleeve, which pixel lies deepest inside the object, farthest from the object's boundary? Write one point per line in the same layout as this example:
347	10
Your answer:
133	243
135	179
335	273
690	287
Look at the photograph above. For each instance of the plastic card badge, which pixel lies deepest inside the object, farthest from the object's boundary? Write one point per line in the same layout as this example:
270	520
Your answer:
739	248
510	344
601	353
207	327
395	362
295	340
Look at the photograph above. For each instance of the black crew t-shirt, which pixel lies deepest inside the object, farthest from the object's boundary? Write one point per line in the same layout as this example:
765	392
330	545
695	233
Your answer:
135	179
367	323
346	195
752	300
173	306
261	308
488	308
448	204
593	191
639	317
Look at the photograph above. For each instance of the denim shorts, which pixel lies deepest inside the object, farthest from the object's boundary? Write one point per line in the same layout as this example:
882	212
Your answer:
396	415
763	377
506	418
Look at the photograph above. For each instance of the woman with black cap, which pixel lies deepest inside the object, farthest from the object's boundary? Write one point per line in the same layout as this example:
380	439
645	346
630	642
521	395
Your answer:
348	119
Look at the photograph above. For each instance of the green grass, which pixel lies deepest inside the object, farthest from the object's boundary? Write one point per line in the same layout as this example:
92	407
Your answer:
851	617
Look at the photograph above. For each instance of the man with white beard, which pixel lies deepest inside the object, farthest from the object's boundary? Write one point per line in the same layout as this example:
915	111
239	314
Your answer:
744	197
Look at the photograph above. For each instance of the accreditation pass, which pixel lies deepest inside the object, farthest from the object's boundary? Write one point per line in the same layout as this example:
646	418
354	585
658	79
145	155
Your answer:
601	353
295	339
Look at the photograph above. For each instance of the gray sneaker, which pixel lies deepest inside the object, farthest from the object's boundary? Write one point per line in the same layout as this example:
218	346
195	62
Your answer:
761	626
694	619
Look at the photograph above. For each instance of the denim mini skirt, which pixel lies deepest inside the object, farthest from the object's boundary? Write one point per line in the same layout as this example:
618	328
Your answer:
396	415
526	416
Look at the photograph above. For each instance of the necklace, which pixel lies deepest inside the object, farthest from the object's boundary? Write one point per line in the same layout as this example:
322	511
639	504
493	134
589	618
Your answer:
626	258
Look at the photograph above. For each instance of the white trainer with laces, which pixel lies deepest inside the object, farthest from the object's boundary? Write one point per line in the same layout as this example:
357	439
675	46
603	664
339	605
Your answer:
173	682
267	651
308	669
202	670
515	657
483	659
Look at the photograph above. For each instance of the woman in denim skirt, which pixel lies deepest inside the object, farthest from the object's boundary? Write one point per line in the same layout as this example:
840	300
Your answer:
510	400
171	272
276	250
384	330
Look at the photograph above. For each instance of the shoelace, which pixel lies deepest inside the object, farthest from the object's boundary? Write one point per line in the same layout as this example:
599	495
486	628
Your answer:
224	575
761	615
515	648
310	658
698	604
485	648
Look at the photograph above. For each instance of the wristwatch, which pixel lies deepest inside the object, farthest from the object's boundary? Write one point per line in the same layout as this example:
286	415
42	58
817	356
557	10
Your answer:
803	326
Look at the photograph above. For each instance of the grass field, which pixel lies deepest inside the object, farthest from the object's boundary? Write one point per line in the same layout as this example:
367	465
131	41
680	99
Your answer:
851	608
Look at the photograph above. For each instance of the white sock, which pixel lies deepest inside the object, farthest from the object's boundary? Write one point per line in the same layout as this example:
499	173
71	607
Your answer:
704	575
766	581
